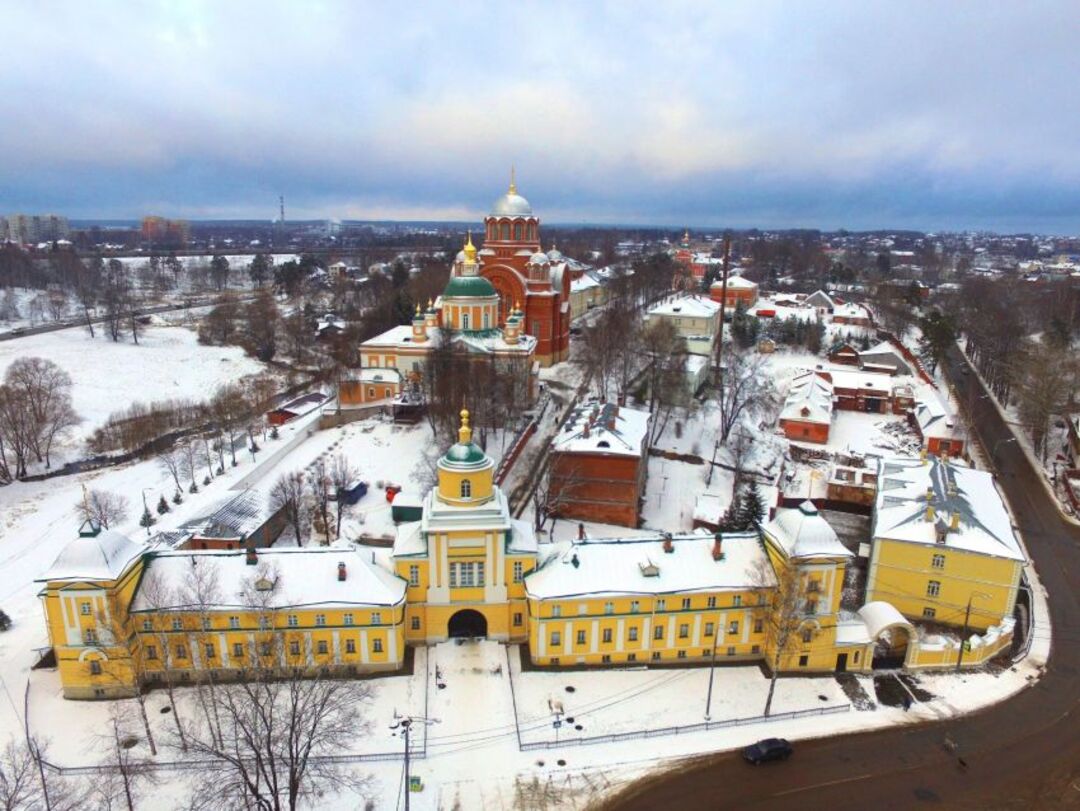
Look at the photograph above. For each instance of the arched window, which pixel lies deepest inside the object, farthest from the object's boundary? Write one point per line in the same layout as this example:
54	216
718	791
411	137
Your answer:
464	320
505	231
486	318
517	231
532	232
466	488
491	230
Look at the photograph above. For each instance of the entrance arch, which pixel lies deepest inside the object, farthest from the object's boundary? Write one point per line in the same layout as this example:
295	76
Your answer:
467	623
894	637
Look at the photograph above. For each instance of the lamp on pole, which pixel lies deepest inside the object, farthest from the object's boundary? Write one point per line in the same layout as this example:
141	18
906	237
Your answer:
712	668
967	618
147	519
405	725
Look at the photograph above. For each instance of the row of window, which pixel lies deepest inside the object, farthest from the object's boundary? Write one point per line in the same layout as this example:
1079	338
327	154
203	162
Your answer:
519	566
265	623
322	648
467	574
660	605
502	231
581	637
656	656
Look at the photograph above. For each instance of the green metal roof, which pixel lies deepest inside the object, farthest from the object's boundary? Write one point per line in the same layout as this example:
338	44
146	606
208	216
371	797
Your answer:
461	453
468	286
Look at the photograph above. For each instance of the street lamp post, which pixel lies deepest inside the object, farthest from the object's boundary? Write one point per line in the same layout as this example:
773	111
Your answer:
967	618
712	669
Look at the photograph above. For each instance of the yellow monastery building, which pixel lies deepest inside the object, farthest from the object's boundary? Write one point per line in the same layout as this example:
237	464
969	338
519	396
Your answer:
122	615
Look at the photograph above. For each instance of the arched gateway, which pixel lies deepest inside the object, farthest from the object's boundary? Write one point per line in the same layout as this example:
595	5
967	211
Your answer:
467	623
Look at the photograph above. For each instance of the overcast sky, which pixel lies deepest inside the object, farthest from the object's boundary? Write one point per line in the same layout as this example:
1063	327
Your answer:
831	114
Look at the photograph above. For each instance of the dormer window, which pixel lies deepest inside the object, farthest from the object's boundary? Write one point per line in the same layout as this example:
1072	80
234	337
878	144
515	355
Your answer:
466	488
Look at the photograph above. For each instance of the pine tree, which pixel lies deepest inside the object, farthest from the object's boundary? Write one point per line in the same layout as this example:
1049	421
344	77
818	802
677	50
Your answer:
162	506
731	522
147	519
753	507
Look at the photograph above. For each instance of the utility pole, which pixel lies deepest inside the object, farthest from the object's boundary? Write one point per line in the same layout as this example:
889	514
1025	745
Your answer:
405	725
967	618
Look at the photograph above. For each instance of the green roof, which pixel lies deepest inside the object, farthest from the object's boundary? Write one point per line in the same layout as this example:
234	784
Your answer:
468	286
469	454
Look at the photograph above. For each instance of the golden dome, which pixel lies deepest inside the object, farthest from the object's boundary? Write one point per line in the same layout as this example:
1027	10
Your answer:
470	249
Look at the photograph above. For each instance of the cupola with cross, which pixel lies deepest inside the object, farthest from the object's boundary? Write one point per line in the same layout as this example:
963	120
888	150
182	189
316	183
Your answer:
466	473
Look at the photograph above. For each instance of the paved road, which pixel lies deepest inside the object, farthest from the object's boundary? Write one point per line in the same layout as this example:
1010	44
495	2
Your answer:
1022	754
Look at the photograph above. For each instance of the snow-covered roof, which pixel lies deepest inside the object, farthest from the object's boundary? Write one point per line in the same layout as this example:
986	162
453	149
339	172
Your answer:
885	354
819	298
849	378
932	417
734	283
234	516
624	566
802	532
686	306
603	428
809	399
585	282
879	615
400	337
852	632
958	494
301	577
101	557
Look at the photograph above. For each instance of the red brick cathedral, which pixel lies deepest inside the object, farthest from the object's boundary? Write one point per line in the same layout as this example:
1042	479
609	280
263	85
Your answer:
524	275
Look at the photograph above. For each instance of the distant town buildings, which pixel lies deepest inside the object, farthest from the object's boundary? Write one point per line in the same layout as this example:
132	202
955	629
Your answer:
28	229
162	232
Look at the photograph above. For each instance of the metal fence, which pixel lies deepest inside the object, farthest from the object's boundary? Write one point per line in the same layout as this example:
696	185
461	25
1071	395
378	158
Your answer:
702	726
417	752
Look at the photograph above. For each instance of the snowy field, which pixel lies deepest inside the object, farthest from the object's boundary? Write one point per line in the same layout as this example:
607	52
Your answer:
107	376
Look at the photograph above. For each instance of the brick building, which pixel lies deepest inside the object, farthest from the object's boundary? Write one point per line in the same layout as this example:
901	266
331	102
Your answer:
599	461
523	275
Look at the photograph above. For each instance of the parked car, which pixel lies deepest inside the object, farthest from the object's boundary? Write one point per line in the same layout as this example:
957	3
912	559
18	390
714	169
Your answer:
766	750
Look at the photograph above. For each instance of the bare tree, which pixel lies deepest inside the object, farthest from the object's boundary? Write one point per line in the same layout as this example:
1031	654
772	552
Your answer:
783	614
9	305
1045	380
158	595
320	485
664	350
127	776
170	460
342	474
19	784
189	461
44	390
230	411
277	736
102	507
25	785
747	388
288	494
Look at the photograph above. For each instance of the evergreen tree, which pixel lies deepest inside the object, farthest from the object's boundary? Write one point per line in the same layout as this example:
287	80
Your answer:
162	506
753	507
731	522
147	519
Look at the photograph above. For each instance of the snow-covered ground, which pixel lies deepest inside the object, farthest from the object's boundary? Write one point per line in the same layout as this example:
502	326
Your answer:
107	376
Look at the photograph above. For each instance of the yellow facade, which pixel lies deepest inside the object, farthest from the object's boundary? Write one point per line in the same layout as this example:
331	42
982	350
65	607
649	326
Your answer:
640	629
465	562
935	582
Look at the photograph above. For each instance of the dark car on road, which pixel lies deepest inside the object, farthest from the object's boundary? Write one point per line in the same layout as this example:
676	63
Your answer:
767	749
